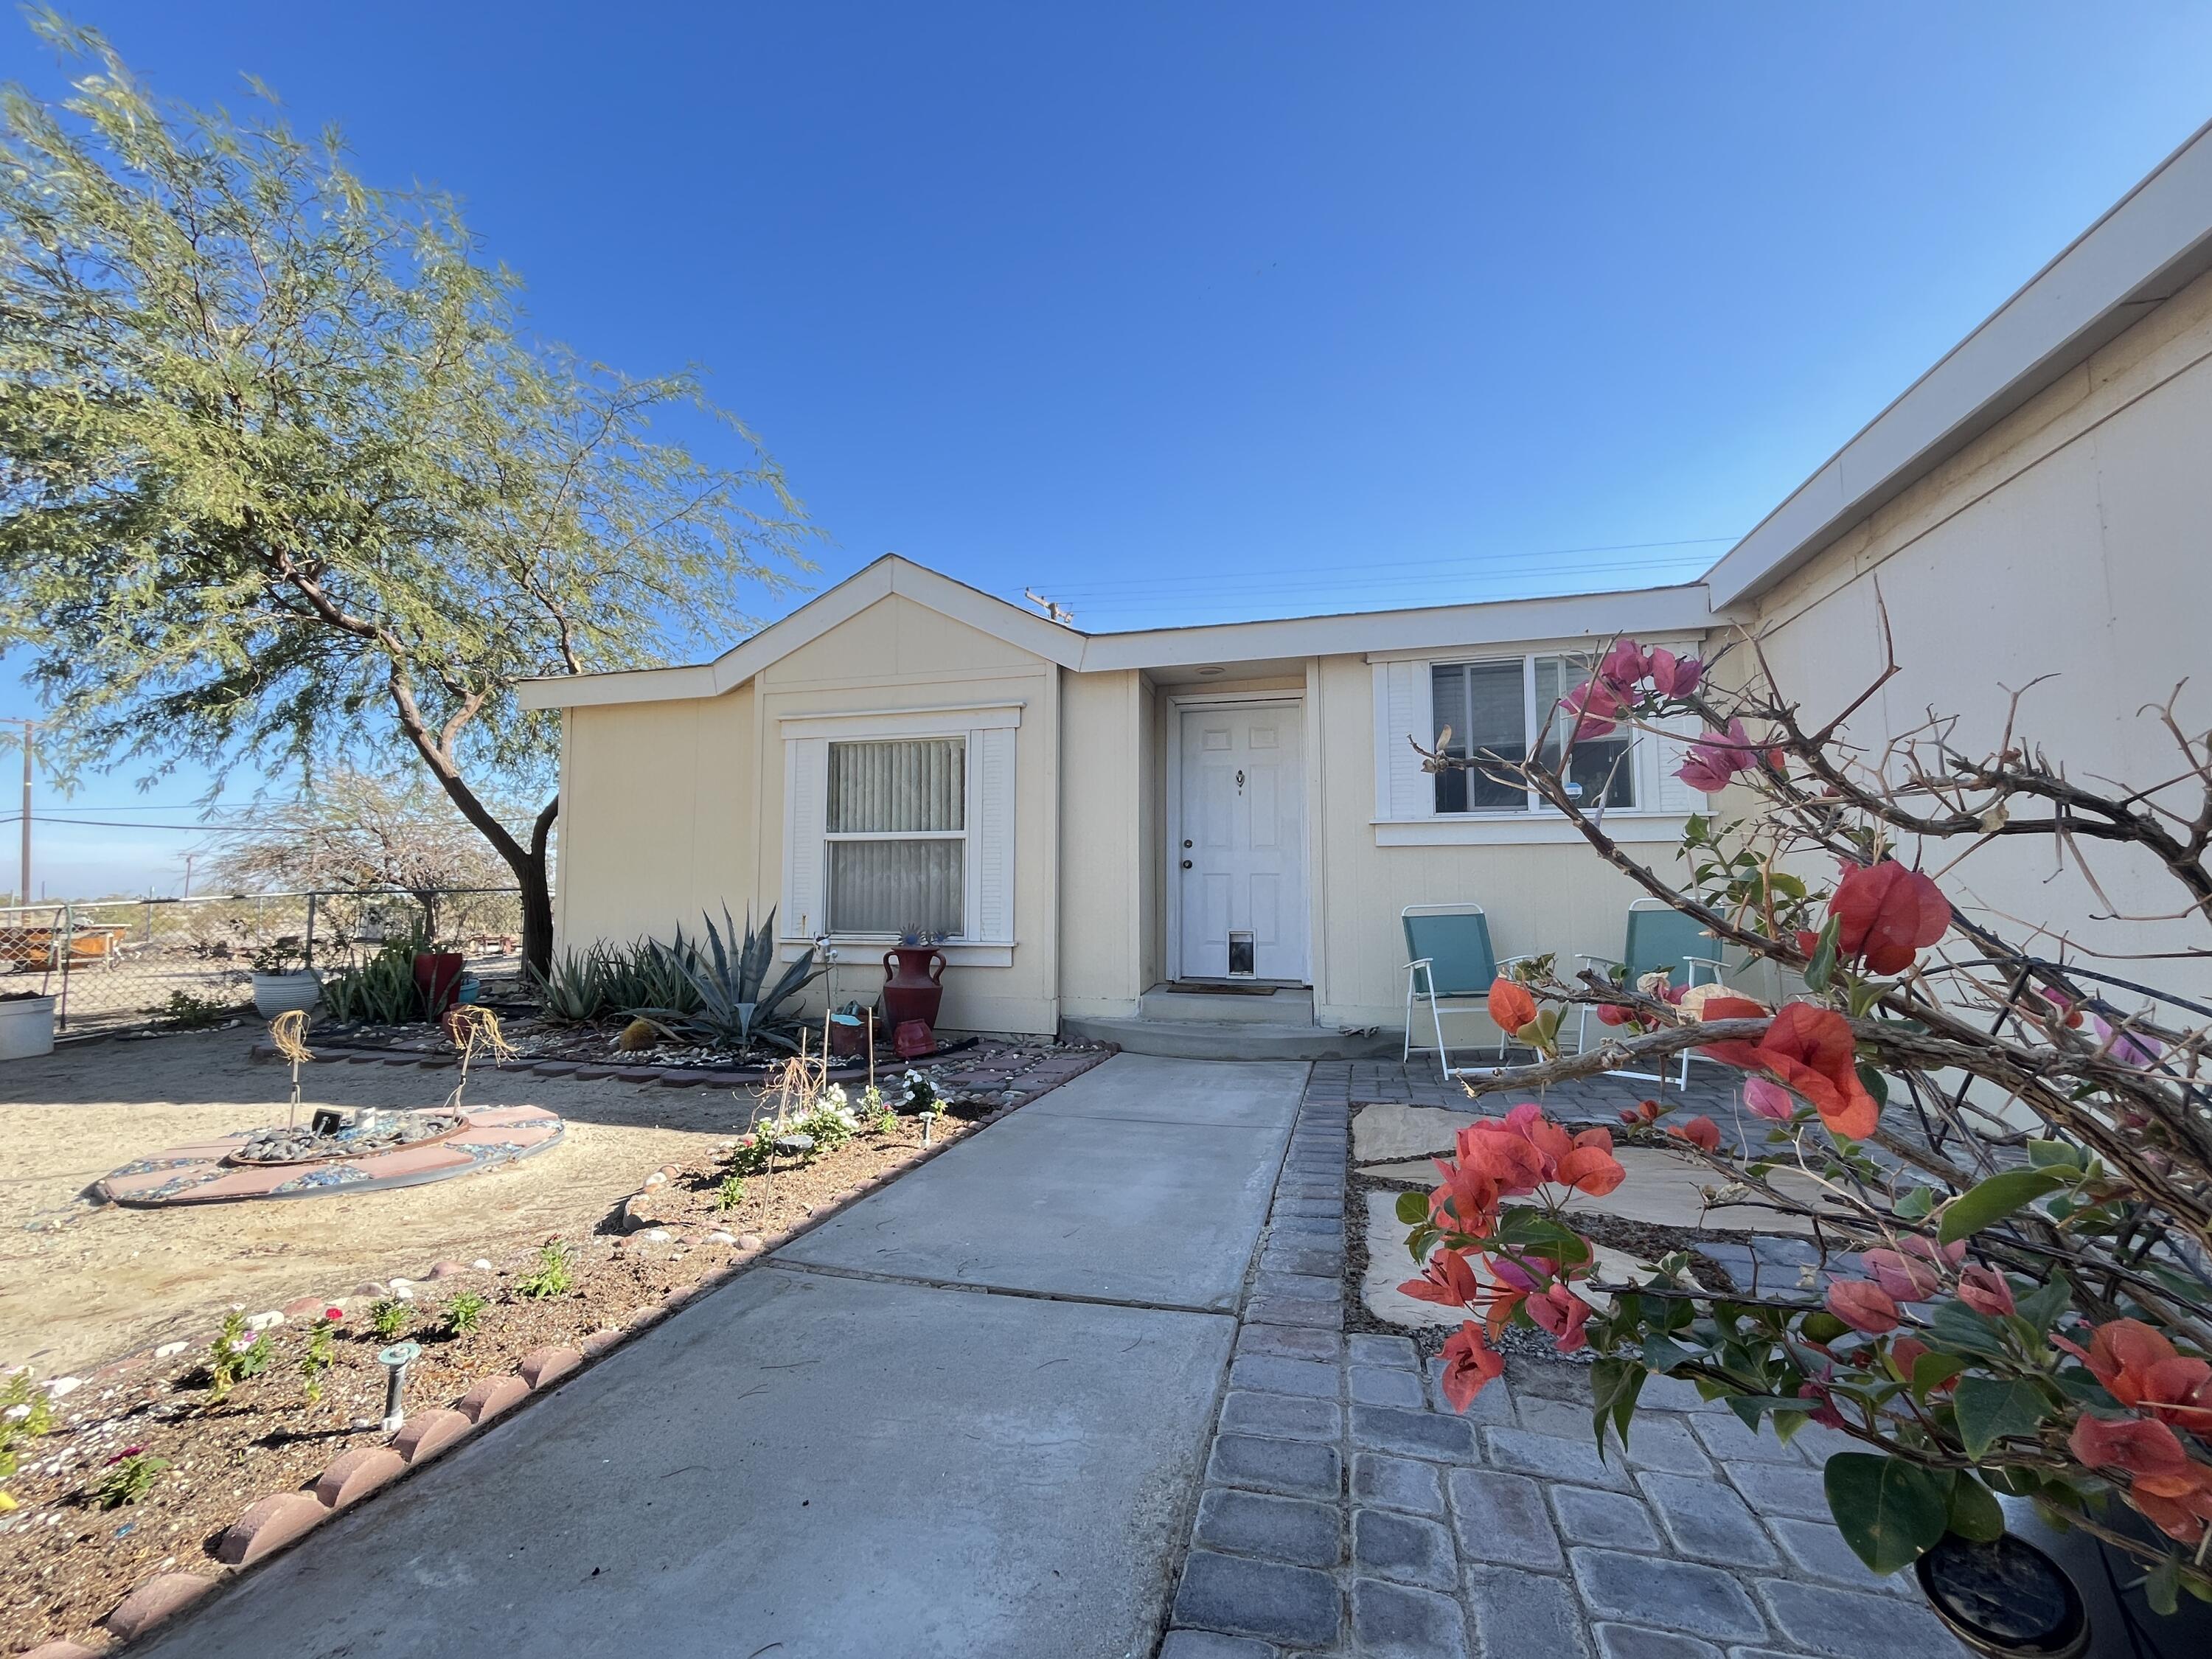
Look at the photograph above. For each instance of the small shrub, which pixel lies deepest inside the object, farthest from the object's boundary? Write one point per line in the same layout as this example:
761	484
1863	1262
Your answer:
25	1412
130	1476
750	1155
186	1012
231	1358
389	1318
731	1192
881	1119
319	1354
918	1094
464	1313
552	1276
830	1126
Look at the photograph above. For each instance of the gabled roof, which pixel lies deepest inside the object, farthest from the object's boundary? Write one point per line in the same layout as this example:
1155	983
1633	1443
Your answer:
1678	609
2153	242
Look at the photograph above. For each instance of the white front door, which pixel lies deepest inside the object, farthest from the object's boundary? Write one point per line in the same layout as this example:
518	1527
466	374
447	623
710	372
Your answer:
1238	856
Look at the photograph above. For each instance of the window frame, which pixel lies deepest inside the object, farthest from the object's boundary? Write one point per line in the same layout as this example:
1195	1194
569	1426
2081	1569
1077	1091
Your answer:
831	838
1536	808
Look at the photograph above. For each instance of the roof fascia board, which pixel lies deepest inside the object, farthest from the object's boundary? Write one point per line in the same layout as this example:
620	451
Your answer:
1684	609
2153	242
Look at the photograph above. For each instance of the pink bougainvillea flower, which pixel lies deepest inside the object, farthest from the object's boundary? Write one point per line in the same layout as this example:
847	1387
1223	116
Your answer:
2127	1047
1986	1291
1887	915
1447	1279
2172	1490
1626	664
1907	1278
1470	1365
1589	1166
1673	675
1510	1005
1562	1313
1594	708
2140	1368
1825	1413
1862	1305
1612	1013
1714	759
334	1314
1768	1099
1701	1132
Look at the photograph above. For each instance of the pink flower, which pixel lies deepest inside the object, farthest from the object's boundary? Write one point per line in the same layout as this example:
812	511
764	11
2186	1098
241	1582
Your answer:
1470	1365
1624	665
1862	1305
1904	1278
1562	1313
1768	1100
1673	675
334	1314
1713	761
2128	1049
1701	1132
1595	706
1986	1291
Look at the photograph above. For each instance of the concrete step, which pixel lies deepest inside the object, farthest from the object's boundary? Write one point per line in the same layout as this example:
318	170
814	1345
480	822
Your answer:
1234	1039
1286	1004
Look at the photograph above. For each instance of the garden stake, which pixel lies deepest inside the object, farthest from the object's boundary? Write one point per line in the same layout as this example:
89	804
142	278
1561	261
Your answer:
871	1045
289	1032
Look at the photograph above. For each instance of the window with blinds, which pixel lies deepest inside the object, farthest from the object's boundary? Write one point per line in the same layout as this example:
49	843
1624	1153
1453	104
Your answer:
896	834
1493	708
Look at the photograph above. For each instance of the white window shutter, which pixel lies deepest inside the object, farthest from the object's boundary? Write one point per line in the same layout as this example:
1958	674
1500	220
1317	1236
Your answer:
991	835
1408	792
1668	747
805	809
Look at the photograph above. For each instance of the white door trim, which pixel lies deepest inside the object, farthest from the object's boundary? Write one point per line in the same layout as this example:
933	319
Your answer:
1172	848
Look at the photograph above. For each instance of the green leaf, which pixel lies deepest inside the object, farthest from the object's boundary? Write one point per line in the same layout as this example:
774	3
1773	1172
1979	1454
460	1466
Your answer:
2054	1154
1890	1512
1413	1208
1931	1371
1615	1384
1991	1407
1989	1201
1874	1083
1975	1515
1916	1203
1821	1327
1663	1354
1958	1325
2161	1587
1822	968
1751	1408
2041	1307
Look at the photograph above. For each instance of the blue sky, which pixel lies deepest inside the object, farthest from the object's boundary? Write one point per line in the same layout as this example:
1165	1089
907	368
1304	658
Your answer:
1179	312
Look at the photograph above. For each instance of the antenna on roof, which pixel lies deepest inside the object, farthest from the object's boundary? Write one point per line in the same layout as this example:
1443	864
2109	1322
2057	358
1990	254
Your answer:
1055	612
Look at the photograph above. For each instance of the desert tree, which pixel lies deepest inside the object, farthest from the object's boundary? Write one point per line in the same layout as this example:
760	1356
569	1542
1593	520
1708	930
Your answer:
286	480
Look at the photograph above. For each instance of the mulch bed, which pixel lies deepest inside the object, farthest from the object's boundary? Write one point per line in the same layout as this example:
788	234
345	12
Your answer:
66	1562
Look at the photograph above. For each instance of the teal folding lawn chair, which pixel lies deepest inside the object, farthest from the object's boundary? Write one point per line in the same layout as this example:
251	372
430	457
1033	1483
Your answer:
1660	937
1451	961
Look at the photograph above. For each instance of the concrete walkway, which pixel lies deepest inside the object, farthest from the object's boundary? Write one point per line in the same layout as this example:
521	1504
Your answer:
850	1450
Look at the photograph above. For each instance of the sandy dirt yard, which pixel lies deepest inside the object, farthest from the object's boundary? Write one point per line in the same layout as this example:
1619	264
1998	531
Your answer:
107	1279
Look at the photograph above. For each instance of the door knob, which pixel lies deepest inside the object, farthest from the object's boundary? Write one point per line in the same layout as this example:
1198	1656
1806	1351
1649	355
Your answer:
1185	864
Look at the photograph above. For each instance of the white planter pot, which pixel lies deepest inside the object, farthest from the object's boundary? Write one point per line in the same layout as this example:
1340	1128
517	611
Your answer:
27	1028
277	993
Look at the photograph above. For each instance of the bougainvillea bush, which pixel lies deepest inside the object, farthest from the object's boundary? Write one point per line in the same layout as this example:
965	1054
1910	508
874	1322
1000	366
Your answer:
2005	1145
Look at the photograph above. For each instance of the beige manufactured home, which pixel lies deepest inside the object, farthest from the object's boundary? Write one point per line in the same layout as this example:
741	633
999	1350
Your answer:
1091	818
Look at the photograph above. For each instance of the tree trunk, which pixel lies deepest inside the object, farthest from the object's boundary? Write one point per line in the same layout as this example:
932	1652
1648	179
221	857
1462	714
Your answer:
537	893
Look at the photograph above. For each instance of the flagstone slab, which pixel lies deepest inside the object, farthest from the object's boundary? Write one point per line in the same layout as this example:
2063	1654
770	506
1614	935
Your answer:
196	1172
1663	1189
1394	1131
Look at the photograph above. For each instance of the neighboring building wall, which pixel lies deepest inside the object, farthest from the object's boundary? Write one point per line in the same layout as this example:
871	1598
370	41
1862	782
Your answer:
2070	541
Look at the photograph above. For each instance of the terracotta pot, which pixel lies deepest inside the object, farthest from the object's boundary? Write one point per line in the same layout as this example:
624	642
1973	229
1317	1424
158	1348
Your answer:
438	977
913	984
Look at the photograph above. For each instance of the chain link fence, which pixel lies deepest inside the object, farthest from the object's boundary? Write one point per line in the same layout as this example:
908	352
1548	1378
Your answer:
115	963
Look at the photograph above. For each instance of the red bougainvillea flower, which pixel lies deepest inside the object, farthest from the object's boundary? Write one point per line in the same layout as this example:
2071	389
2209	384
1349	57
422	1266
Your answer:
1562	1313
1862	1305
1510	1005
334	1314
1887	913
1470	1365
1673	675
1612	1013
2173	1492
1589	1166
1448	1280
1986	1291
1595	710
2140	1368
1810	1049
1907	1278
1701	1131
1626	664
1767	1099
1825	1413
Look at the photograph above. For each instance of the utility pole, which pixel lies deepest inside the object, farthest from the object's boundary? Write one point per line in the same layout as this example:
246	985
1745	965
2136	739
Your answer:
189	857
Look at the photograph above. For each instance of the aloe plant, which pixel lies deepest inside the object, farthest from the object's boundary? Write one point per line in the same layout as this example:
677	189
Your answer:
737	1006
573	988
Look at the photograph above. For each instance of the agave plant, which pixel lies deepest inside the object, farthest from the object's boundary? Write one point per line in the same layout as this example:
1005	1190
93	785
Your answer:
736	1006
380	991
572	989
